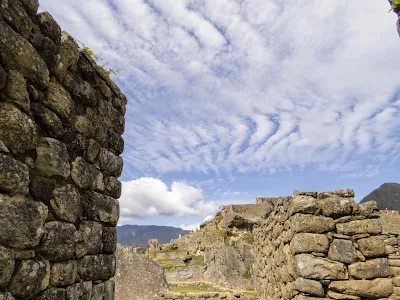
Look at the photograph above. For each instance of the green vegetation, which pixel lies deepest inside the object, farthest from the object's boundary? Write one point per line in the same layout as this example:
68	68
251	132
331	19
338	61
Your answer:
170	248
248	237
193	289
248	273
395	5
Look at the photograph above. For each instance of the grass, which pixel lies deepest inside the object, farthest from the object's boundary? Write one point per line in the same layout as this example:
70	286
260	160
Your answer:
193	289
248	273
248	237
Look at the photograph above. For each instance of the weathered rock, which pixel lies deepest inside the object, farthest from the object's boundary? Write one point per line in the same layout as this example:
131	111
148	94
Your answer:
312	224
115	142
135	272
59	101
89	238
372	246
41	189
58	242
14	14
23	254
6	296
343	251
80	291
17	131
47	49
366	209
112	187
334	295
112	118
52	294
16	91
18	54
311	267
98	207
7	264
371	226
109	239
83	125
119	105
377	288
335	207
52	158
92	151
3	77
63	273
109	290
97	292
309	242
49	27
110	163
30	278
86	176
66	203
303	204
21	221
346	193
14	176
31	6
370	269
69	55
48	121
3	148
84	93
311	287
76	144
311	194
96	267
85	64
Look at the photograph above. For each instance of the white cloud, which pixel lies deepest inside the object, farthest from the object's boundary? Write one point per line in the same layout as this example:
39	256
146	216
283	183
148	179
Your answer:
248	86
195	226
149	196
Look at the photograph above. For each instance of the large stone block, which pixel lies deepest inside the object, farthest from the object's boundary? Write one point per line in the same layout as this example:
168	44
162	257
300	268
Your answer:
83	125
343	251
335	207
112	187
371	226
58	242
96	267
312	224
41	189
311	267
21	222
69	55
17	131
110	163
92	150
89	238
366	209
309	242
63	273
49	27
370	269
373	246
66	203
109	239
52	294
83	92
7	264
86	176
303	204
48	121
109	289
14	176
371	289
97	292
346	193
18	54
115	142
52	158
98	207
13	12
30	278
80	291
310	287
31	6
3	77
59	101
16	91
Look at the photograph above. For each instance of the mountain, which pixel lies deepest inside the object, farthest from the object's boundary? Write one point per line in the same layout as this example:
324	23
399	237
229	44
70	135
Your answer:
138	236
386	196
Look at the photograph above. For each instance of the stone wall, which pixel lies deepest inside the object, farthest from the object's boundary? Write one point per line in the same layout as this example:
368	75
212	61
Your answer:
324	245
61	121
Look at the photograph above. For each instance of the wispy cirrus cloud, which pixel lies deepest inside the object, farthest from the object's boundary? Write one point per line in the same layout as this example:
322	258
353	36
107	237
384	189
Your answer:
248	86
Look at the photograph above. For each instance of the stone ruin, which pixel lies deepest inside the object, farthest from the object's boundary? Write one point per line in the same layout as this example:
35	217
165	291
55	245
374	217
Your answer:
61	121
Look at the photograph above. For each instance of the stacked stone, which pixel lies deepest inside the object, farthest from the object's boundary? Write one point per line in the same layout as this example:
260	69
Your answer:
61	121
337	247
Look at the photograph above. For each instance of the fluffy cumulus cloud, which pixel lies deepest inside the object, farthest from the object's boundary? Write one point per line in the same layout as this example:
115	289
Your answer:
195	226
147	196
245	86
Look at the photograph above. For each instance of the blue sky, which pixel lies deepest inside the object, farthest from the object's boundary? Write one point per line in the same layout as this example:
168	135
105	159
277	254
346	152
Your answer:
233	100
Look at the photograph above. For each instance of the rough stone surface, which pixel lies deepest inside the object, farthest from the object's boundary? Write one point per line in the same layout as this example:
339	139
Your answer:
137	274
52	158
63	273
98	207
52	294
372	246
80	291
371	226
309	242
89	238
92	151
110	163
311	287
96	267
112	187
14	14
7	264
58	242
21	223
109	238
370	269
66	203
311	267
14	176
97	292
335	207
375	289
109	290
17	131
41	189
59	101
16	91
49	27
312	224
48	121
343	251
30	277
86	176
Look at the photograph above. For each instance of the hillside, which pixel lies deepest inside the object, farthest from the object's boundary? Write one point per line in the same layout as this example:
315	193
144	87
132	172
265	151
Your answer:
138	236
386	196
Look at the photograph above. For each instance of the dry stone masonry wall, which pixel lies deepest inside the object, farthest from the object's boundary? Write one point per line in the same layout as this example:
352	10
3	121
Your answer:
324	245
61	121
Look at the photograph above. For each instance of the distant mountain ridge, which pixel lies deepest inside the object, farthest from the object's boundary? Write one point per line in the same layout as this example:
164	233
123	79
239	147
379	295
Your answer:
139	235
386	196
